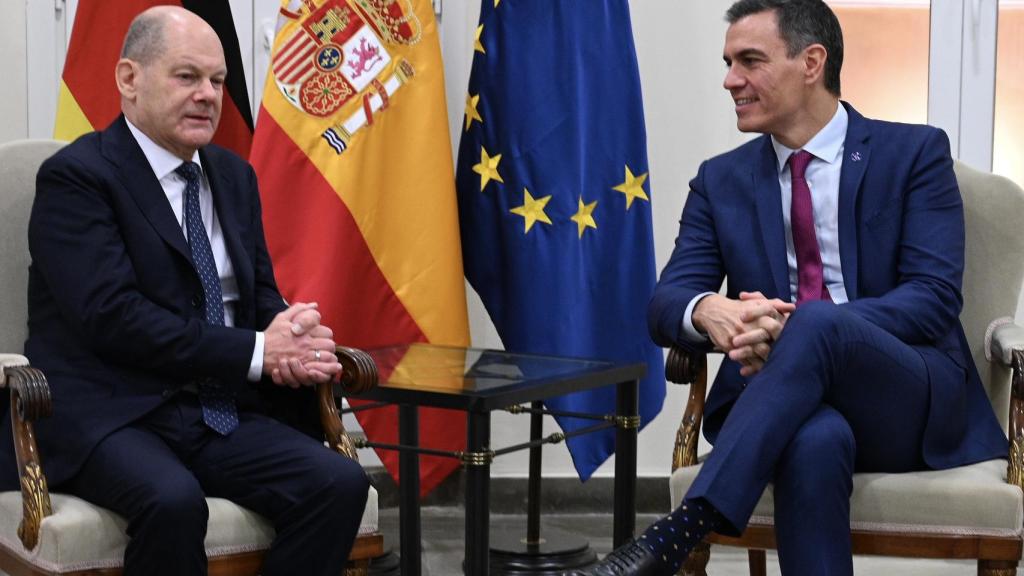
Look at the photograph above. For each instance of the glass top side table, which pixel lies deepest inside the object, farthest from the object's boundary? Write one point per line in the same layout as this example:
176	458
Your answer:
479	381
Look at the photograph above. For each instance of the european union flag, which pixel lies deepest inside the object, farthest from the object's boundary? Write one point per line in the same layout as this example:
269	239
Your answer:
554	197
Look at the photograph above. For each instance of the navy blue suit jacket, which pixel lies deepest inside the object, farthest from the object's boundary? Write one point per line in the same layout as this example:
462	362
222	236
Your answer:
115	304
901	244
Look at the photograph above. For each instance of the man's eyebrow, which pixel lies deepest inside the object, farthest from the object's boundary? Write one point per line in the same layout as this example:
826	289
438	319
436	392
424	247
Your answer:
747	53
195	67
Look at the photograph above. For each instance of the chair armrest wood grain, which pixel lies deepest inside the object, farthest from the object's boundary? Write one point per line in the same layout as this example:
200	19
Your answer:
359	374
687	367
30	400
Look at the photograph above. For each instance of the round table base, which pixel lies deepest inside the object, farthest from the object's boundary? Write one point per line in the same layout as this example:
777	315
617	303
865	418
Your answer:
554	554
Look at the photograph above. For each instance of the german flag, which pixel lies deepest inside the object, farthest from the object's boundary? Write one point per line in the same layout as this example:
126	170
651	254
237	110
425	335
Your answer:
88	96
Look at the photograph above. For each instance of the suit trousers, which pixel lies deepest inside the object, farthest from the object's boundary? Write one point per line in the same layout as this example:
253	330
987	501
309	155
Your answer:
157	472
837	394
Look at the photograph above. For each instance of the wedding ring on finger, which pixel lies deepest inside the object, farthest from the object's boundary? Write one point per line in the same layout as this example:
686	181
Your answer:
316	355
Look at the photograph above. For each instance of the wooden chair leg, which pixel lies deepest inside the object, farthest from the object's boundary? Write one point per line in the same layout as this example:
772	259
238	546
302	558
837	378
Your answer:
697	562
758	561
997	568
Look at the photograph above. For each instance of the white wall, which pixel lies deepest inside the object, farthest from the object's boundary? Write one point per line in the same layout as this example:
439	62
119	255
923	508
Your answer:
13	94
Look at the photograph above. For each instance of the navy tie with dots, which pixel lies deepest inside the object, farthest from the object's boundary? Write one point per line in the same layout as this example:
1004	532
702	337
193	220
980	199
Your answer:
218	405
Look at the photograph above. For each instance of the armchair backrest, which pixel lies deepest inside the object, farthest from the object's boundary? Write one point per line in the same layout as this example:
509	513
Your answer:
994	273
19	162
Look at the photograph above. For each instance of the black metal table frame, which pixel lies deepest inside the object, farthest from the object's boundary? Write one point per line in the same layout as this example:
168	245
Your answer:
477	461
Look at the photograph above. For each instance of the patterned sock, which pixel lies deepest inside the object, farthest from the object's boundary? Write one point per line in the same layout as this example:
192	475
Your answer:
673	537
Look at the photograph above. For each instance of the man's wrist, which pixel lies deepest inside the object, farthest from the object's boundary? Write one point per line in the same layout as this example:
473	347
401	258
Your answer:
692	329
256	364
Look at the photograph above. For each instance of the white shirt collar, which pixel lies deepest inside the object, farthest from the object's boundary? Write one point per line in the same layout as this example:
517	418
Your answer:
826	145
161	160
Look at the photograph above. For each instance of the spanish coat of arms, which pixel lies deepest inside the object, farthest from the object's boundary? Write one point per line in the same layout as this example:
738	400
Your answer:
336	64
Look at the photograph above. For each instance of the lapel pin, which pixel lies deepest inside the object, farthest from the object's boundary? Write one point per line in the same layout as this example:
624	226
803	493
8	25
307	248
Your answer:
855	156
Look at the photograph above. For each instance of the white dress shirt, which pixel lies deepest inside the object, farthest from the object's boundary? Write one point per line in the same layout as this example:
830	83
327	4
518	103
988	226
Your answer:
164	164
823	179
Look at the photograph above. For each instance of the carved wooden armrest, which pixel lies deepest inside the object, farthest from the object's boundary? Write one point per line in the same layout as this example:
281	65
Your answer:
1015	467
1004	345
30	400
685	367
359	374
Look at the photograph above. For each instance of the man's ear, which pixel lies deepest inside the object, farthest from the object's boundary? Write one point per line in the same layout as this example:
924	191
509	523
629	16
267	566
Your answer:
814	63
126	73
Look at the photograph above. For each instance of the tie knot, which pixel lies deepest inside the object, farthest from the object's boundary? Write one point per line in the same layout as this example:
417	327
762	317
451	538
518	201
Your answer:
189	171
798	162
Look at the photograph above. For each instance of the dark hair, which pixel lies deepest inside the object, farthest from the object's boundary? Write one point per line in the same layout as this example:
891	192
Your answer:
801	23
145	38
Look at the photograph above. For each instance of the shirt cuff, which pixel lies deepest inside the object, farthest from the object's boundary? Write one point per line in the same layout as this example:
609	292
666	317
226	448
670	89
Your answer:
256	364
689	331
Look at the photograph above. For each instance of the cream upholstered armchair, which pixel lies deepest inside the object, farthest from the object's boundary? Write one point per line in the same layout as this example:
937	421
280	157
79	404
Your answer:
44	533
971	512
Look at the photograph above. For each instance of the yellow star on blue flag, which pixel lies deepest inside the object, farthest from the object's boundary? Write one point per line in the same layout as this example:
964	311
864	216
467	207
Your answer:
584	218
532	210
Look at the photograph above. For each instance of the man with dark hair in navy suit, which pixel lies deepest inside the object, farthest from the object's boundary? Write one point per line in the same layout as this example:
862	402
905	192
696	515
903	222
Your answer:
842	242
154	313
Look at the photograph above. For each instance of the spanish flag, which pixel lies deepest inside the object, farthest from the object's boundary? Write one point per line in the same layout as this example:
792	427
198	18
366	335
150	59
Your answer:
88	95
354	161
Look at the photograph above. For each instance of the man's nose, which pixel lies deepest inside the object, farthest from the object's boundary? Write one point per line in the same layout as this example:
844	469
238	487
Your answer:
206	90
732	79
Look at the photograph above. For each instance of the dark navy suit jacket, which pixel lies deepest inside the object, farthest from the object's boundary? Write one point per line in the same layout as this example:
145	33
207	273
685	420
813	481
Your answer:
115	304
901	244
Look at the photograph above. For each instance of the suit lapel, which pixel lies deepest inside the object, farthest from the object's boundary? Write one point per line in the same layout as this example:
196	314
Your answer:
135	174
769	211
856	155
227	216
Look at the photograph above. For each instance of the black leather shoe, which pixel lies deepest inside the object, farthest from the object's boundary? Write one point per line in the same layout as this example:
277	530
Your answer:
631	559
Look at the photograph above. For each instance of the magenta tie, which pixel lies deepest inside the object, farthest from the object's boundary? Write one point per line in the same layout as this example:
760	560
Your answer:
809	271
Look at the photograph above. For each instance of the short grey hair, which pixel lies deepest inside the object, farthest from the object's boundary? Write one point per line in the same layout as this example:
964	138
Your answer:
145	38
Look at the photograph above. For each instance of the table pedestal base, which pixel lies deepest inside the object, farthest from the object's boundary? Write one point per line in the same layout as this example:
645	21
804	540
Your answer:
386	565
556	553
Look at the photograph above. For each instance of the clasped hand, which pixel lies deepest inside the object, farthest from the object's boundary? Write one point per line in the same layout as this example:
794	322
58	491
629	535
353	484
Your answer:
298	350
745	329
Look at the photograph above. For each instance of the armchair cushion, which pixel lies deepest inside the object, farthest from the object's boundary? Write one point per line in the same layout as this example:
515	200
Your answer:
81	536
976	497
1005	339
11	360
